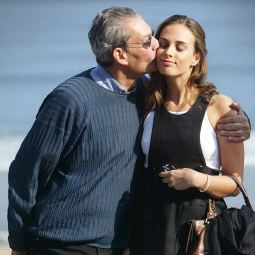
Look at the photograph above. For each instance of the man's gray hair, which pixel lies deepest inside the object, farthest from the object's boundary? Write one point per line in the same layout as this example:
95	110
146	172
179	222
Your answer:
107	33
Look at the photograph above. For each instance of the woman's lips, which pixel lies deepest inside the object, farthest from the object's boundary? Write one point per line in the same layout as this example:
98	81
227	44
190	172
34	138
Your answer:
168	62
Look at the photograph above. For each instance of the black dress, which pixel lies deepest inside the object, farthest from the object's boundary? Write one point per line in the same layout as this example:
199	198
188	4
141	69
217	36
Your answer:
161	213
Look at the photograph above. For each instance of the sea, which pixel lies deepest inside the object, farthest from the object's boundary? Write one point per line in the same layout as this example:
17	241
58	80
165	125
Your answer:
42	43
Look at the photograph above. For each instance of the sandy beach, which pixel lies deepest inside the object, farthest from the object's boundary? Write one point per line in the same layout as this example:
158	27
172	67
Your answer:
5	250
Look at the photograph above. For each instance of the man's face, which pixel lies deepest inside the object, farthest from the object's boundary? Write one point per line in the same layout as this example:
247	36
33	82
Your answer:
142	46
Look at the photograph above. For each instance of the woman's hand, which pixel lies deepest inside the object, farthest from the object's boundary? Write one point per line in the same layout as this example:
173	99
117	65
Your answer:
180	179
126	251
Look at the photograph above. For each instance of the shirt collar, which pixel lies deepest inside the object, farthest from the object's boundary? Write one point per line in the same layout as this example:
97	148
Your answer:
104	79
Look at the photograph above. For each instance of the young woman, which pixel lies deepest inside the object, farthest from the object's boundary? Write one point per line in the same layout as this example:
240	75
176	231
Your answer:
182	111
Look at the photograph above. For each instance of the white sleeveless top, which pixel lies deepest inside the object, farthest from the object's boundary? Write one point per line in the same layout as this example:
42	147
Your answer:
208	140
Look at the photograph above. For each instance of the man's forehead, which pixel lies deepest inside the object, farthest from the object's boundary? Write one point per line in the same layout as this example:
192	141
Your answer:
139	26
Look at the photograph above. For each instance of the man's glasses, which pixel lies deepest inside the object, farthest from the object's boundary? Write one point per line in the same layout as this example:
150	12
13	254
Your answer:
144	45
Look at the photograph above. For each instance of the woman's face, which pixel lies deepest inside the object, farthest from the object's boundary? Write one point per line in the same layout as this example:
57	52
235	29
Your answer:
176	53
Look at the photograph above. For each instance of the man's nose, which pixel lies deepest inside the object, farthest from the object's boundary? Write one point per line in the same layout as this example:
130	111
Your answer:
154	42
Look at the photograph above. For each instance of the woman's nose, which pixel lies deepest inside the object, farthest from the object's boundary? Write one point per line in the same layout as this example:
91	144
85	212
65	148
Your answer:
170	51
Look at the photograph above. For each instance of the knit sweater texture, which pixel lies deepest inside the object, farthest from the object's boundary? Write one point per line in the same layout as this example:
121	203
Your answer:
71	178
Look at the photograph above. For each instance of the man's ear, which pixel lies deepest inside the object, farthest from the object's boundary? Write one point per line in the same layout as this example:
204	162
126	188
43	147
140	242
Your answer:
120	56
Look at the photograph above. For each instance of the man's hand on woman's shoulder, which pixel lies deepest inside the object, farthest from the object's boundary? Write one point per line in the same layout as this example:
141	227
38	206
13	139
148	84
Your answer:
236	127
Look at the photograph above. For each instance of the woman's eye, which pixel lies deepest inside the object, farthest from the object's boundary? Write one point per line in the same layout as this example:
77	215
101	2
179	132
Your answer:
179	48
163	45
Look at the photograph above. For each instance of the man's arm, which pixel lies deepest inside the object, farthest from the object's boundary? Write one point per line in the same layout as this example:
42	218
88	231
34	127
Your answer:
34	162
236	128
47	141
18	253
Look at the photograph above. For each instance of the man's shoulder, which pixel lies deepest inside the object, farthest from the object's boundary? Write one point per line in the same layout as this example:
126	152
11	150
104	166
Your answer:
84	74
77	80
76	85
71	92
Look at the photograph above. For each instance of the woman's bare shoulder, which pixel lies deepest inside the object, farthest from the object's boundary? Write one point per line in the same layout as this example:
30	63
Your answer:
220	104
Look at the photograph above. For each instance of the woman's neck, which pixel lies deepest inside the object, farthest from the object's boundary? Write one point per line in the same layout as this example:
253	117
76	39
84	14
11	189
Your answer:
179	97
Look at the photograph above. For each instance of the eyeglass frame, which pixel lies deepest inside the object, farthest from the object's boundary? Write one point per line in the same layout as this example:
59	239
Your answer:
145	45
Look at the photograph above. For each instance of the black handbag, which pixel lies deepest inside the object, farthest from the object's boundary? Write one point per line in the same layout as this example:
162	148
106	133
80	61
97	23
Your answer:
230	232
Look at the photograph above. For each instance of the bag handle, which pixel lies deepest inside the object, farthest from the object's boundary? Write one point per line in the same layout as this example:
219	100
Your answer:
241	187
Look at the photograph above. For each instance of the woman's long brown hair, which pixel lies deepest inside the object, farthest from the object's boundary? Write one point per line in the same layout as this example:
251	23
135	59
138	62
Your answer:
156	89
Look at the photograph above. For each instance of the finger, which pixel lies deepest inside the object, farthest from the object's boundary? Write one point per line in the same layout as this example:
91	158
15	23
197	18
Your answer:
170	185
241	117
126	251
235	106
231	133
234	137
165	180
231	119
230	127
237	139
168	182
164	174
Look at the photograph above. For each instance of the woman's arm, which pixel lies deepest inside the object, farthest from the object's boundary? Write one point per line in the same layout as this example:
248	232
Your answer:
231	154
232	159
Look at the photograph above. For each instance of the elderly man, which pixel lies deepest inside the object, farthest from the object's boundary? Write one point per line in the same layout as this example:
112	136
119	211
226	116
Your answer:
69	185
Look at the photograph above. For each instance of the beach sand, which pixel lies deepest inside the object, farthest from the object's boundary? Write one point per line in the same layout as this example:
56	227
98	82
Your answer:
5	250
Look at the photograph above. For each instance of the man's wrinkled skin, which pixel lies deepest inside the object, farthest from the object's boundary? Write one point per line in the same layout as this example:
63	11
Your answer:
228	126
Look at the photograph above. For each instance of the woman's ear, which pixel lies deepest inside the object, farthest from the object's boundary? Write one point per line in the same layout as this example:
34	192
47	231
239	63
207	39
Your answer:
196	59
120	56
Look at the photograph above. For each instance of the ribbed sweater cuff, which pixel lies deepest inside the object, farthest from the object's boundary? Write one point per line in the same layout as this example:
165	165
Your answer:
18	241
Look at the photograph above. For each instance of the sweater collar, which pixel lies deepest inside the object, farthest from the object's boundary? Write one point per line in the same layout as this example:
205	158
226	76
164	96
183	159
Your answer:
104	79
